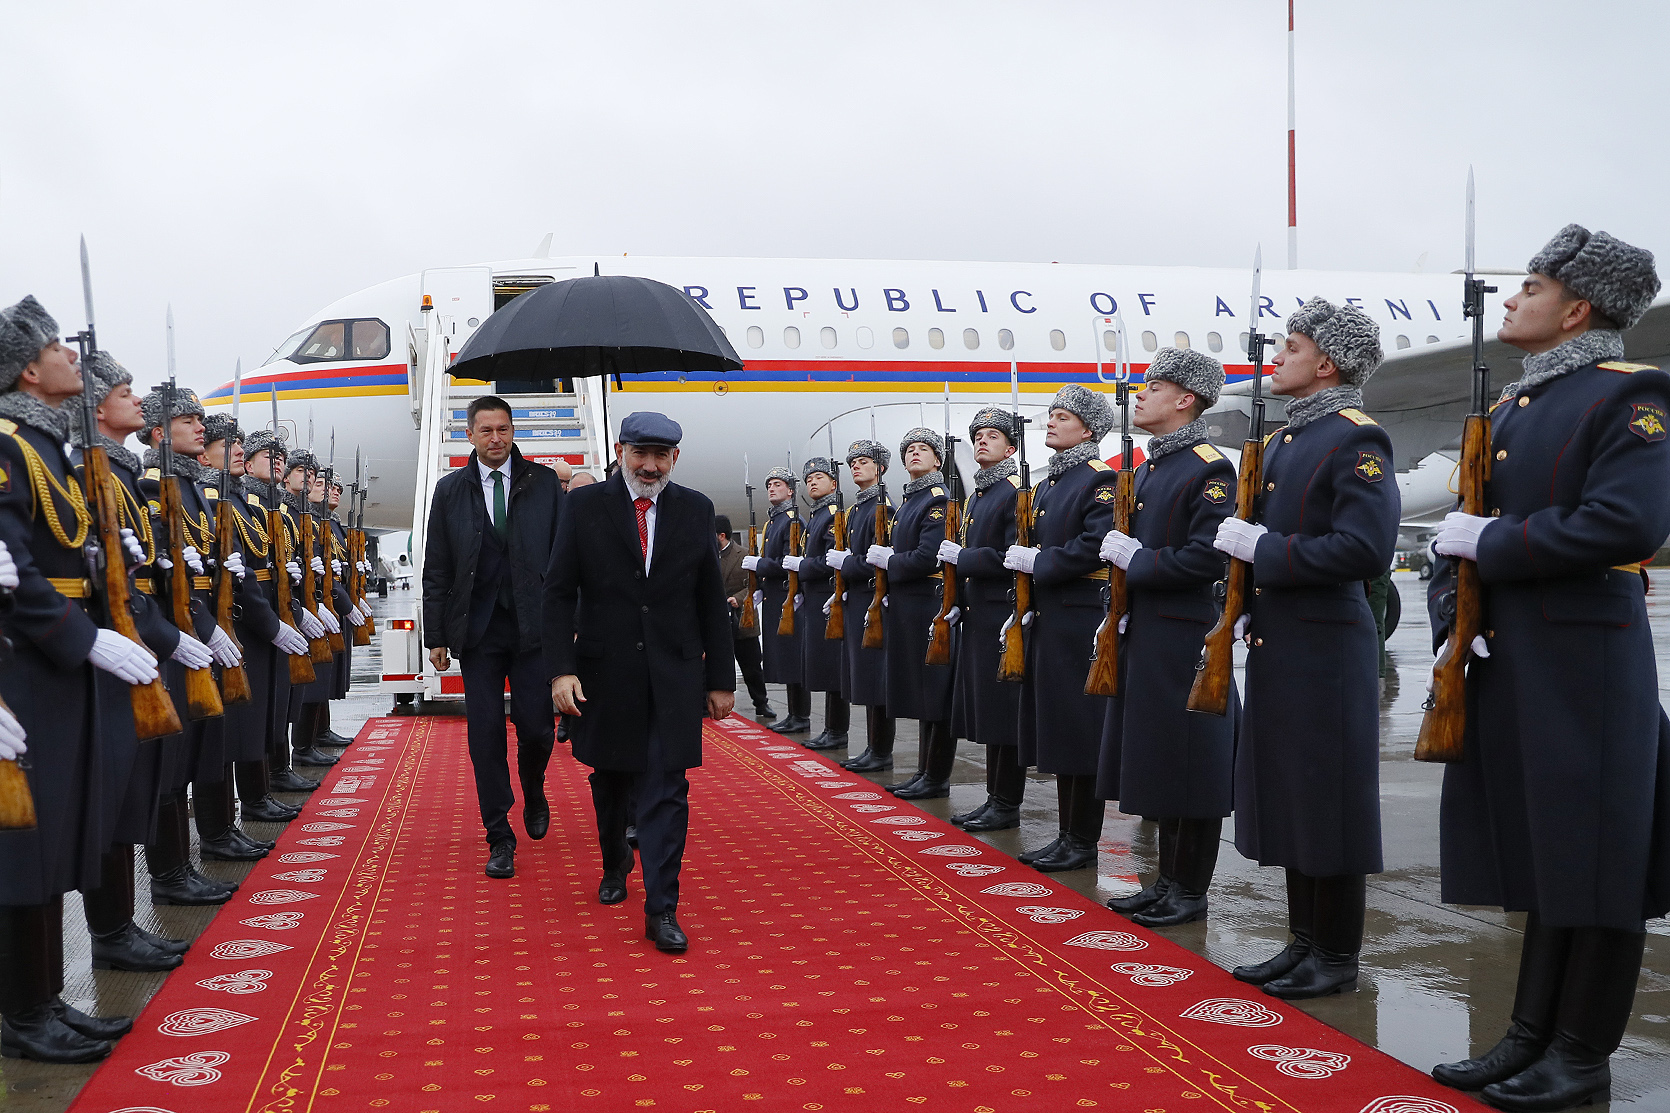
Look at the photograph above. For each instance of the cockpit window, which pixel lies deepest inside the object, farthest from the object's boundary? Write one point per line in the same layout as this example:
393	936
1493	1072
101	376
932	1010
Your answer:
331	341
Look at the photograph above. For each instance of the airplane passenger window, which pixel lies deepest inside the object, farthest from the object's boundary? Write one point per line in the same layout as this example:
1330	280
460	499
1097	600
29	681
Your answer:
936	338
1005	339
866	338
1110	340
756	336
1181	340
1150	342
1432	340
1402	342
791	337
1058	339
1215	342
826	335
901	338
971	338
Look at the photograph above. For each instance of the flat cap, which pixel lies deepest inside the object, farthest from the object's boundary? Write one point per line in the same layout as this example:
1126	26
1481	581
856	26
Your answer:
871	450
263	440
784	474
995	417
101	374
1089	406
923	435
818	463
1611	275
647	428
1346	335
1196	372
185	404
25	329
218	426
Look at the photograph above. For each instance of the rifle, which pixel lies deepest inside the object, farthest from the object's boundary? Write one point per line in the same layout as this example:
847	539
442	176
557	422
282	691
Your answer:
1104	658
234	681
939	633
748	621
785	623
301	664
1445	721
327	546
17	802
202	696
1210	692
1011	665
318	649
873	638
356	554
153	711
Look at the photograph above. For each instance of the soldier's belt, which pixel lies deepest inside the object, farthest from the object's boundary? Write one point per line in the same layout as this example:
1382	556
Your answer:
71	588
1633	569
1099	574
202	583
263	574
144	586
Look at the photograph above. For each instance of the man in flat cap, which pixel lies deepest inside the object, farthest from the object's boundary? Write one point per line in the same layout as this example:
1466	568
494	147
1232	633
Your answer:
866	669
782	652
1157	758
983	710
1060	726
1559	807
820	656
638	646
1307	764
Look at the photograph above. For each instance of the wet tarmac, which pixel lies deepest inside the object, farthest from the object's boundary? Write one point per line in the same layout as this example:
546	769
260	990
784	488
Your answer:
1437	980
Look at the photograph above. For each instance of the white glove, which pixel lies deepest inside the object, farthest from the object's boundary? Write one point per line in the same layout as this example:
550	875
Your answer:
837	557
759	597
11	736
1479	648
1237	538
798	599
164	563
192	653
8	568
365	566
295	571
1026	620
318	566
225	650
355	617
1241	625
879	555
1459	535
949	551
311	626
1124	621
288	640
828	605
1118	549
953	616
331	624
751	563
336	568
194	560
235	564
136	553
1020	558
792	563
122	658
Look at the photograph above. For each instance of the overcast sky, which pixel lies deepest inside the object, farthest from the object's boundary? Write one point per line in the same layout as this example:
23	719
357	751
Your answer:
251	163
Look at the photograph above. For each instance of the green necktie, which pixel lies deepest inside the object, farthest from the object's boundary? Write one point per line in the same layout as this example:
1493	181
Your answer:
498	504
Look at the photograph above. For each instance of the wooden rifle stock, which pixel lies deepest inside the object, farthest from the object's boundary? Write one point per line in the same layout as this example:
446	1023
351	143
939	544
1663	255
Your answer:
234	681
836	628
785	622
1213	675
327	592
202	696
1445	722
873	638
748	620
939	634
17	803
153	711
301	664
318	649
356	586
1104	659
1011	666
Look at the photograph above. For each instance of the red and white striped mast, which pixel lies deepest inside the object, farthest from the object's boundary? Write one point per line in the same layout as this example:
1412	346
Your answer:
1292	171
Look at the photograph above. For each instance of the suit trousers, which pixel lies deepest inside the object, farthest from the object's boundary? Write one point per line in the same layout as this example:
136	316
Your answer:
748	661
660	797
486	667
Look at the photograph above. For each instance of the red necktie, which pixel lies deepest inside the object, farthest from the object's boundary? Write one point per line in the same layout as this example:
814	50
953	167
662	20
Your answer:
643	506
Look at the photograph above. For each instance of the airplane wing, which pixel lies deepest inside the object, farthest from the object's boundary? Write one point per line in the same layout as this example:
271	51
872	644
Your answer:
1422	394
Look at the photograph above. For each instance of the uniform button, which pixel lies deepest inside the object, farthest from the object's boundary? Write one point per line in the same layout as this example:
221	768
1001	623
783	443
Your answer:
1269	486
1287	438
1523	401
1497	513
1501	454
1258	591
645	609
1258	641
640	645
1490	633
1139	506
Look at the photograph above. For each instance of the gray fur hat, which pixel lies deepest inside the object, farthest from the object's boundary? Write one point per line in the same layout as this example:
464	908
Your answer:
263	440
994	417
1089	406
923	435
300	458
873	450
101	374
25	329
1195	372
818	463
185	404
217	427
784	474
1611	275
1346	335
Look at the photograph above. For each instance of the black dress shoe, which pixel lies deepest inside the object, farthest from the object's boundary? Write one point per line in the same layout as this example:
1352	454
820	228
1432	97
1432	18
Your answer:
1074	853
794	724
536	811
923	789
632	836
501	862
38	1034
827	741
1278	965
312	756
227	847
868	762
93	1027
998	817
1146	898
763	712
287	781
269	810
1564	1078
911	781
1512	1054
331	738
1321	974
662	929
612	889
1026	858
179	886
1178	906
973	813
126	948
162	942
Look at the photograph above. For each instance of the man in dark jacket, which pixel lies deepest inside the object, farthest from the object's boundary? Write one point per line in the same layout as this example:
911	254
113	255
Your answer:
490	530
636	622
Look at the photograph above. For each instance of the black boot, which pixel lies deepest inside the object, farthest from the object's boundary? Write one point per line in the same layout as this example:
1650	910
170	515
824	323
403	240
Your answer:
303	733
252	778
878	754
29	987
118	944
217	832
162	942
268	809
93	1027
167	857
127	948
940	748
1301	916
1536	1001
1079	845
280	778
916	778
799	719
1596	997
837	720
1197	859
1165	862
182	886
326	736
1331	966
979	809
40	1035
1072	852
1006	788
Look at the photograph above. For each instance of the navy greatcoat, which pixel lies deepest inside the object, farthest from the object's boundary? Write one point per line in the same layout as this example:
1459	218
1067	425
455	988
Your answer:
782	655
916	690
1158	757
255	622
1561	804
982	709
820	657
1060	726
865	674
1307	766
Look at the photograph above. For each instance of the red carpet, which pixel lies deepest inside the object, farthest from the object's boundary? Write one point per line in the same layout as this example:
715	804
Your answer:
848	953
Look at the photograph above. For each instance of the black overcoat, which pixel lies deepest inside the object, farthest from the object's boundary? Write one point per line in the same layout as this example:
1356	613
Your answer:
820	657
255	621
782	663
1307	767
258	497
1159	758
984	710
916	690
1561	804
1060	726
864	678
647	649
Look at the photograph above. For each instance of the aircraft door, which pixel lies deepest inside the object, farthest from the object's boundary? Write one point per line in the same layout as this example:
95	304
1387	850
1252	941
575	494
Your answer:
462	298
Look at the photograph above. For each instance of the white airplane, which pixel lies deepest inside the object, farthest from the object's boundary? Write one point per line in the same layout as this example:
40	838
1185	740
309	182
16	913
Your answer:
836	350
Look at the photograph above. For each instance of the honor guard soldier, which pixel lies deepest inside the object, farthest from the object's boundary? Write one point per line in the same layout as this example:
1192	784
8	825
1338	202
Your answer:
1558	807
983	710
305	699
782	654
1060	726
821	656
866	669
1307	765
1157	758
346	608
916	690
49	685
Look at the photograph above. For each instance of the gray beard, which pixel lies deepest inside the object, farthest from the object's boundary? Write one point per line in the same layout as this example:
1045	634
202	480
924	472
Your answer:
647	490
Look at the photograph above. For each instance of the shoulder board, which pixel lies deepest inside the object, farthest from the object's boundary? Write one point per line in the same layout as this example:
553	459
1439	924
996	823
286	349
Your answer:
937	492
1272	433
1098	465
1358	417
153	473
210	493
7	426
1625	368
1015	482
1209	453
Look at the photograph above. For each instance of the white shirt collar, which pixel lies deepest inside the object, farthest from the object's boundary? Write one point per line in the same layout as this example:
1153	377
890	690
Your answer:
487	472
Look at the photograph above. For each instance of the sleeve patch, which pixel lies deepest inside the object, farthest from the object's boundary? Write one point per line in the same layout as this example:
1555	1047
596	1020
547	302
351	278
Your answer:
1209	453
1358	417
936	514
1370	467
1105	494
1215	492
1647	421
